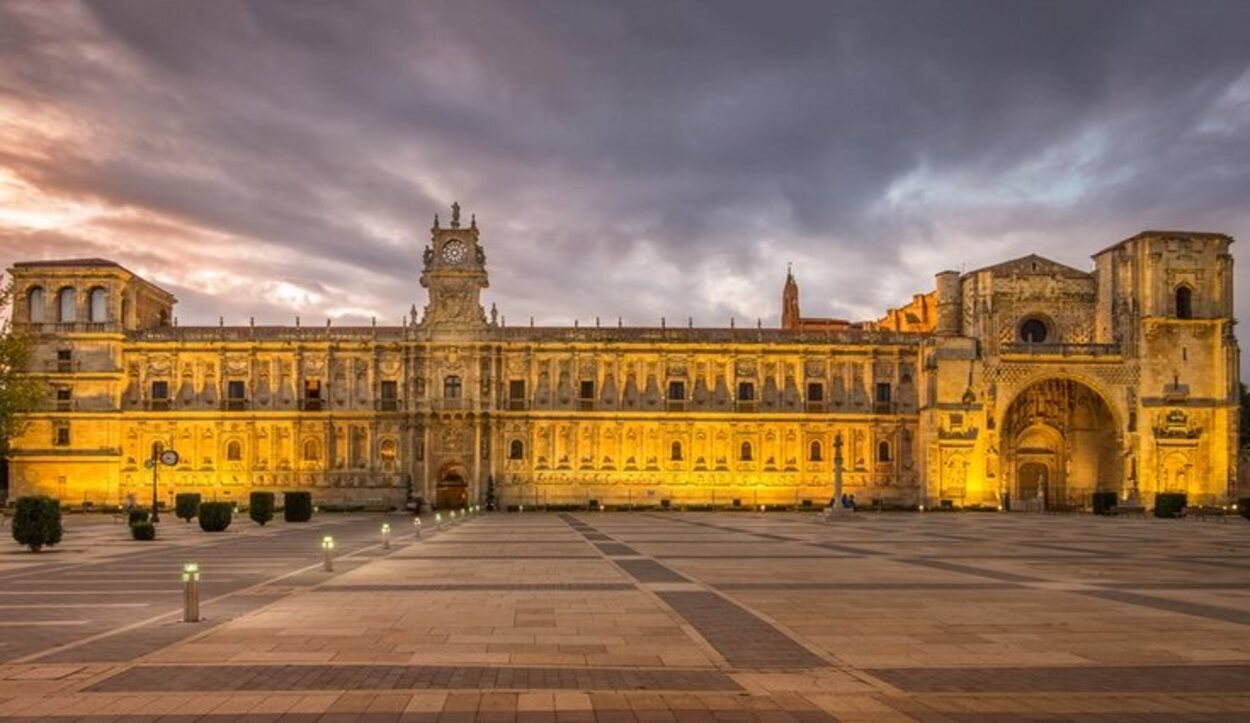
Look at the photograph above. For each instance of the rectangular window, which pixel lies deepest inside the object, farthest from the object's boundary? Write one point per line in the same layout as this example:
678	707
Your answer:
815	392
235	390
883	392
64	399
676	391
60	434
390	396
160	395
64	361
516	394
746	391
587	390
312	394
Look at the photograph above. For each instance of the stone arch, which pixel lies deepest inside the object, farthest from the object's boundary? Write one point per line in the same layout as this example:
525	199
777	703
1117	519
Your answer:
452	489
1060	442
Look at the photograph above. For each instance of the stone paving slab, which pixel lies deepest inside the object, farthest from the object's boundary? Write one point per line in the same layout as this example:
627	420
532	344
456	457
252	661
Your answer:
1070	679
181	678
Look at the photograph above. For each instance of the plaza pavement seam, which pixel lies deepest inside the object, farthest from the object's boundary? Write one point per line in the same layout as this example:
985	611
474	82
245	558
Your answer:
690	611
158	618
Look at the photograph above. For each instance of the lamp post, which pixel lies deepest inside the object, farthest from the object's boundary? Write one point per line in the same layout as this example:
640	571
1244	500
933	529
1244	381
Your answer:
160	456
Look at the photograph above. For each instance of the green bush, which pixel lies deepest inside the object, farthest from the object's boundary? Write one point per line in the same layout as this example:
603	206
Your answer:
216	516
1169	504
187	505
260	507
143	530
1104	501
297	506
37	522
138	515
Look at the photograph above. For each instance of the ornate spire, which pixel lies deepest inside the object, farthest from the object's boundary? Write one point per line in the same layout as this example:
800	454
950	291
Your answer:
473	221
436	222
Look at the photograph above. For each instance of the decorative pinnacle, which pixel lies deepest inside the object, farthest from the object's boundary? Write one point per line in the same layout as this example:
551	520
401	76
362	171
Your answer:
436	222
455	214
473	221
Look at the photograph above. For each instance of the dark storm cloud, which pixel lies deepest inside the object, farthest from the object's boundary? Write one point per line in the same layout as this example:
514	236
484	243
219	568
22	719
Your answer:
637	159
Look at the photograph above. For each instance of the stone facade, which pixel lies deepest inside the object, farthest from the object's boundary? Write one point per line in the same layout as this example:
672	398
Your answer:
1025	384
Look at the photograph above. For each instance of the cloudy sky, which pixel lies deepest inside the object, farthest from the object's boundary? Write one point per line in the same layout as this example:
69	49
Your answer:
640	159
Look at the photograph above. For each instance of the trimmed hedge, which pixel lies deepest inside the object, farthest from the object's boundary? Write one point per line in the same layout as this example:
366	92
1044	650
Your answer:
1169	504
143	531
297	506
216	516
138	515
1243	506
187	505
37	521
260	507
1104	501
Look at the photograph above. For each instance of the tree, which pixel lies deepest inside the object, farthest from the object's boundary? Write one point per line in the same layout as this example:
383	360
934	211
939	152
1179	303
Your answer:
19	393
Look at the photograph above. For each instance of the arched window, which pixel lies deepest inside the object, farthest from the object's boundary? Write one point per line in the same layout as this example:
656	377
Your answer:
674	452
386	450
1033	331
99	306
451	387
67	306
35	310
883	451
312	451
516	449
1184	302
744	452
234	452
814	452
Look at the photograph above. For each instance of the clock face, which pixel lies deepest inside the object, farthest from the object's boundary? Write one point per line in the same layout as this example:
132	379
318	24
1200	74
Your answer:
455	252
169	457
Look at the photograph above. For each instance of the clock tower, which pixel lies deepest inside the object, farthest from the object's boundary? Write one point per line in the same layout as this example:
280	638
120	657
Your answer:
454	274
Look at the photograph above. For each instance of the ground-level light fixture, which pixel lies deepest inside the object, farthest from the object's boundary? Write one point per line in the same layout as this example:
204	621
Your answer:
190	592
327	547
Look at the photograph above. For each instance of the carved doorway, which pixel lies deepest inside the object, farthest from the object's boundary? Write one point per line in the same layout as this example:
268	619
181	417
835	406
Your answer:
1033	484
452	492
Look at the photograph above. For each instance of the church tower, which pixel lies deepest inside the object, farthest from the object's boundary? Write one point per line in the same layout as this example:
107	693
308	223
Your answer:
454	274
790	302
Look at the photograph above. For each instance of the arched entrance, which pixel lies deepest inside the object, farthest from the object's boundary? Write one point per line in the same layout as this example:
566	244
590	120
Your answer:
1060	445
453	488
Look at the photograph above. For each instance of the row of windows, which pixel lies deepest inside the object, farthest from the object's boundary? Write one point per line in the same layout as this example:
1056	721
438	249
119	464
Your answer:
67	305
677	391
746	453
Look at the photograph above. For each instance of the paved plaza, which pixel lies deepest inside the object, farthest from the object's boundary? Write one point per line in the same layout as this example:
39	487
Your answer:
637	617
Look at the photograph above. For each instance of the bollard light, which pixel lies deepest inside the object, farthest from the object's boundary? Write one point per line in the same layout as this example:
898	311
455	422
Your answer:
327	545
386	536
520	508
438	520
190	593
416	527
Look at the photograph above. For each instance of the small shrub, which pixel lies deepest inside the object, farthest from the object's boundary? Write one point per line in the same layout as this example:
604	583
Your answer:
1243	506
138	515
1104	501
1169	504
215	516
260	507
187	505
143	530
297	506
37	522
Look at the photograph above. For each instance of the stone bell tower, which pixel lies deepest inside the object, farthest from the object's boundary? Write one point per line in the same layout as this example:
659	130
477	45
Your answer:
454	274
